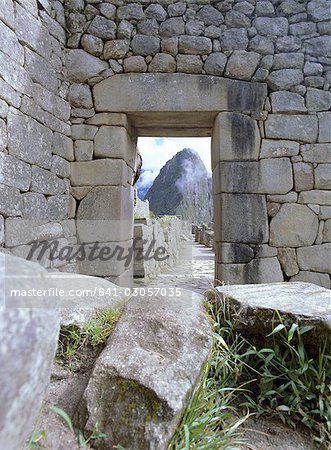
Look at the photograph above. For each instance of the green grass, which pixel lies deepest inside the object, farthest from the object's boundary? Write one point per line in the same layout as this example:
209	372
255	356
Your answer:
74	341
279	380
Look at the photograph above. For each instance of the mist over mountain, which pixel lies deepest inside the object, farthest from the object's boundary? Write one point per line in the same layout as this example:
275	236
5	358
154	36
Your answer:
145	181
183	187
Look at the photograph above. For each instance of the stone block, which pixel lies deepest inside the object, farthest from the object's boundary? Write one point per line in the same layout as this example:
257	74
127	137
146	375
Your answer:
10	201
320	279
215	64
316	196
275	26
272	208
135	64
156	11
15	76
303	176
170	45
323	176
288	261
189	64
288	61
80	66
194	45
287	102
80	96
115	142
22	232
315	258
242	65
293	226
264	251
243	217
46	182
264	270
283	79
14	173
316	153
61	207
261	45
25	374
35	206
295	127
291	197
318	100
236	137
318	46
41	70
131	11
268	176
229	253
234	39
83	150
83	132
210	16
327	231
116	49
324	120
145	45
62	146
106	172
236	19
60	167
162	62
278	148
25	134
102	28
172	27
324	212
150	27
10	45
105	214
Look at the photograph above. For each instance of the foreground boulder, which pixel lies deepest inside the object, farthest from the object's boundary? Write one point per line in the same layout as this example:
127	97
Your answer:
254	309
28	343
144	377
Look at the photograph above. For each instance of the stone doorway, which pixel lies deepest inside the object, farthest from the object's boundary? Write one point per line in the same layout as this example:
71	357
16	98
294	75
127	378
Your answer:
172	105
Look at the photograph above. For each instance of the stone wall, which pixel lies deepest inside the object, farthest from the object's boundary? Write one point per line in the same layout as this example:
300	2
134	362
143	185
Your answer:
271	163
35	144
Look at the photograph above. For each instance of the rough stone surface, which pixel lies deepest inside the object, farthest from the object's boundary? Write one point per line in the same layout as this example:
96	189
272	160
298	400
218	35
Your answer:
323	176
287	259
163	62
315	258
175	356
194	45
278	148
234	253
284	79
263	270
80	66
101	172
14	172
287	102
24	374
242	64
303	176
215	64
303	303
145	45
300	128
293	226
320	279
10	201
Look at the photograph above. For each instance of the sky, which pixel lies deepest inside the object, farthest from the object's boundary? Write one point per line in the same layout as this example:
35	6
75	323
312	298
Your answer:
156	152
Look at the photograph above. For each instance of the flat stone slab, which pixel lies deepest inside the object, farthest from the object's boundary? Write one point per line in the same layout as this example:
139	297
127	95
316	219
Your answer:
303	303
143	379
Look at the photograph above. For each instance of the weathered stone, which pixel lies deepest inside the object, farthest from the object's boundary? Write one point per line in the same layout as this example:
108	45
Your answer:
263	270
156	11
46	182
210	16
284	79
150	27
80	65
174	26
162	62
293	226
244	218
268	176
314	82
108	10
14	173
37	67
264	251
276	26
177	9
170	45
319	10
236	138
195	45
92	44
242	65
303	176
84	132
278	148
264	8
327	231
316	196
283	102
166	399
3	135
303	29
295	302
124	30
316	153
35	206
194	27
288	44
114	142
311	69
324	134
323	176
61	207
320	279
132	11
236	19
102	28
25	375
145	45
301	128
212	32
106	172
115	49
135	64
287	259
261	45
75	22
272	208
10	201
25	134
234	39
315	258
189	63
80	96
83	150
291	197
60	166
318	100
288	61
215	64
319	46
10	44
233	253
62	146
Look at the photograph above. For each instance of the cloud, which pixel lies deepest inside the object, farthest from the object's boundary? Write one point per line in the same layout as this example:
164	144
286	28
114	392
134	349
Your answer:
157	151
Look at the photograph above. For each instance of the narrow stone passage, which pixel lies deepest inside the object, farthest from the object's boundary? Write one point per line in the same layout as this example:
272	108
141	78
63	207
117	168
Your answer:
194	270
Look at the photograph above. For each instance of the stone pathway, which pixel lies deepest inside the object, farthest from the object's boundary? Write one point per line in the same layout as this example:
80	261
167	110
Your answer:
194	270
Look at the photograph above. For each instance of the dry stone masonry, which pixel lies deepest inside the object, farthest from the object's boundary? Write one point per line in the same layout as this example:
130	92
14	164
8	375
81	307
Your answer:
81	79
